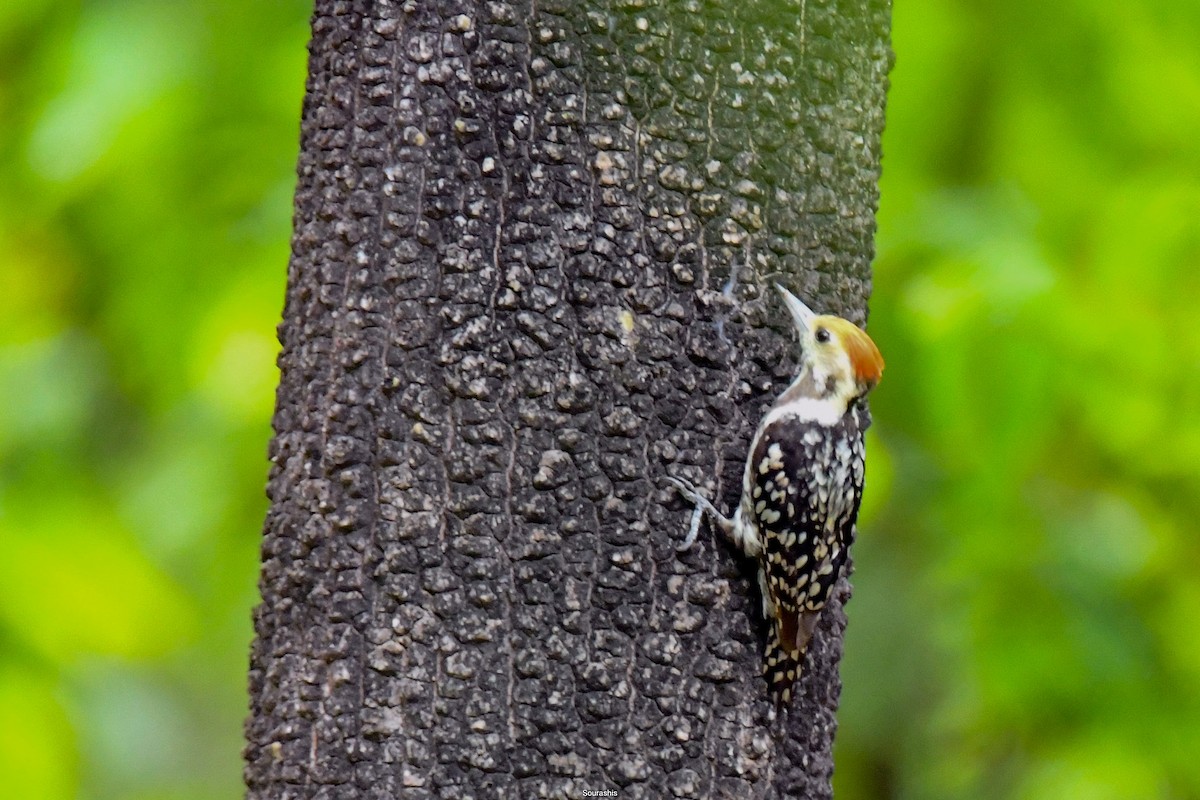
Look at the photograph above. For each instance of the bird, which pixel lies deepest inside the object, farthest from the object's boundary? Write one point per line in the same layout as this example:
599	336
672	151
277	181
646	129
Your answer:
802	485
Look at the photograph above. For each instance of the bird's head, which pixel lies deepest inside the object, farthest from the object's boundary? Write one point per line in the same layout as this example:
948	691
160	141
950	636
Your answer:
838	353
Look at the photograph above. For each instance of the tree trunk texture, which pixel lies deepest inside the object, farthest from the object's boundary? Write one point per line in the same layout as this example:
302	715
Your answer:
532	242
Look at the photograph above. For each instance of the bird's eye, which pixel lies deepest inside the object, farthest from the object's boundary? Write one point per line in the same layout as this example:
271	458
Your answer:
822	335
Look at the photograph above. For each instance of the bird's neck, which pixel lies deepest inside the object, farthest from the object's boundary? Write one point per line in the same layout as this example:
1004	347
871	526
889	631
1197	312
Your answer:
815	395
812	384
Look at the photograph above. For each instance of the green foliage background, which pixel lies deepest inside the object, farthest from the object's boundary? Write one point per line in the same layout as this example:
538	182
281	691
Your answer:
1027	616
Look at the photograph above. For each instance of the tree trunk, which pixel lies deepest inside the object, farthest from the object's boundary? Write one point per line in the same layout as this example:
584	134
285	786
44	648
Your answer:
531	246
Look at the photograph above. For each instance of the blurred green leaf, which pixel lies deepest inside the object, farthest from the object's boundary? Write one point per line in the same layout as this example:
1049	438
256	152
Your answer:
72	582
149	155
1035	301
37	744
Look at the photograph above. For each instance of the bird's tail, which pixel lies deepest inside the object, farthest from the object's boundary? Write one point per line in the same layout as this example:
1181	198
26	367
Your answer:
781	666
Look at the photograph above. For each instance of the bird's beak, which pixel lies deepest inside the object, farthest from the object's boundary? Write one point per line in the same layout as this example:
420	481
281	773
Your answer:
802	315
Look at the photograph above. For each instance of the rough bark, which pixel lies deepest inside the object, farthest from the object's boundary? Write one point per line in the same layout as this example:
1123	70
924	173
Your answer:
531	246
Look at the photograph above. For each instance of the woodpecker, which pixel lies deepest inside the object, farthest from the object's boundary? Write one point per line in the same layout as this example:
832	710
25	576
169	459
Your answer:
802	485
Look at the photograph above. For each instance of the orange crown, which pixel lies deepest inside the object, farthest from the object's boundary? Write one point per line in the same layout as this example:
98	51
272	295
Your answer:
864	355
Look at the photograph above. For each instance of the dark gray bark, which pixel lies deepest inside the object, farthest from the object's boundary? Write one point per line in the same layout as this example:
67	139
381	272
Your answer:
531	246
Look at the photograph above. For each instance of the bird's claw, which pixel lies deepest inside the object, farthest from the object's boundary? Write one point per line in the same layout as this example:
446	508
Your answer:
688	490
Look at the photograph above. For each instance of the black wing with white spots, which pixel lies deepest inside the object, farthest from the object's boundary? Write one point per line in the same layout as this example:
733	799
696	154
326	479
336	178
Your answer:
805	484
